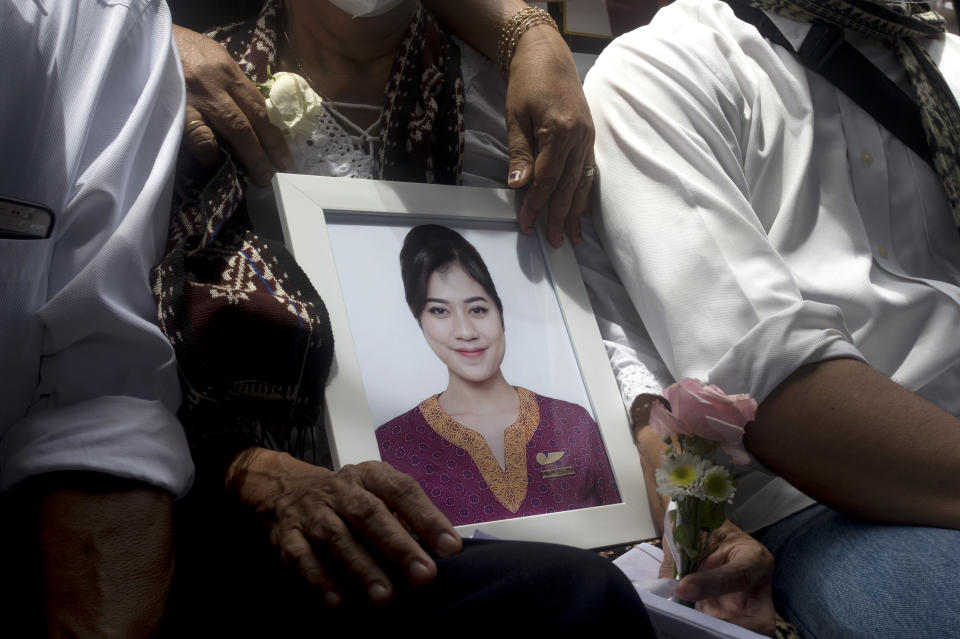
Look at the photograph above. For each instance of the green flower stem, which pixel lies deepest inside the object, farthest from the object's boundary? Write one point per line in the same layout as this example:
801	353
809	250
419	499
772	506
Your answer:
694	518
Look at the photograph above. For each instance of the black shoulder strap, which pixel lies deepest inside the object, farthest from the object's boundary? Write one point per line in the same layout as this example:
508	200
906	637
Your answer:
825	52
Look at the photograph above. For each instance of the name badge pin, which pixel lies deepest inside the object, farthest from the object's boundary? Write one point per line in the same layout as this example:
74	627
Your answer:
548	458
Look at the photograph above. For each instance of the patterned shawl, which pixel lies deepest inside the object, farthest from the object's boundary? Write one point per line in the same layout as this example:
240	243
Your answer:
901	23
251	335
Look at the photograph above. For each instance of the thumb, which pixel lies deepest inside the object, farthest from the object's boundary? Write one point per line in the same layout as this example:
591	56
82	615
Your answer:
521	155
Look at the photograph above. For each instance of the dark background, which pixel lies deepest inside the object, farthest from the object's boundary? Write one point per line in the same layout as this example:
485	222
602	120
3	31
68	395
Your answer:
201	15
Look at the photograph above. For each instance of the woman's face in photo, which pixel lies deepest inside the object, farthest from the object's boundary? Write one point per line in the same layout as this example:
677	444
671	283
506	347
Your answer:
462	325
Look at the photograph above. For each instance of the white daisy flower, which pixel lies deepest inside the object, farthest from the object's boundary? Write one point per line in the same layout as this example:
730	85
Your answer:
680	476
717	484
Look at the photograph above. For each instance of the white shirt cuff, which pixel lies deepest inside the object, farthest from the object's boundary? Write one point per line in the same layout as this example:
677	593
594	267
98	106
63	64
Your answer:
802	333
120	436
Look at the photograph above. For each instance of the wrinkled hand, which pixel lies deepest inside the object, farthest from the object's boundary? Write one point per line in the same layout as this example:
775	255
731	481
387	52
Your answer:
219	94
734	582
328	525
550	133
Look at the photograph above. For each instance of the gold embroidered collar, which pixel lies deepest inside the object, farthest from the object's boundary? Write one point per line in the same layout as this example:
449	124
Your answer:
508	485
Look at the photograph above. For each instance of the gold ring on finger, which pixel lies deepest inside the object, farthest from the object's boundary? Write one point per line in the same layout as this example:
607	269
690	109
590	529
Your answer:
193	124
589	171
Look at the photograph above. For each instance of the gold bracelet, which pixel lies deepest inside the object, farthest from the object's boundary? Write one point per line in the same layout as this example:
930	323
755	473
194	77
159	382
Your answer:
514	28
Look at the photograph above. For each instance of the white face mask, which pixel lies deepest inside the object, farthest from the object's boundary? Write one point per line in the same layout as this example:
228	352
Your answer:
365	8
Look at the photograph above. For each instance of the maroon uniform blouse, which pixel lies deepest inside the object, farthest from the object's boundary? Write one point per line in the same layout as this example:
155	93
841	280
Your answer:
555	461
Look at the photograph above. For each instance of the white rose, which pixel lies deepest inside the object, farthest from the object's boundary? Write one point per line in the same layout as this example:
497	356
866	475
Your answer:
292	106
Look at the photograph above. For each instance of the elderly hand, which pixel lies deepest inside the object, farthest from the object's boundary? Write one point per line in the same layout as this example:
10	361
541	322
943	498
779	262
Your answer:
550	133
330	525
734	581
221	98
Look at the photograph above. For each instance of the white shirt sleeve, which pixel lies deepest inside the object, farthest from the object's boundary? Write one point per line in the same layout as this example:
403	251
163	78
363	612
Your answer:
90	125
698	155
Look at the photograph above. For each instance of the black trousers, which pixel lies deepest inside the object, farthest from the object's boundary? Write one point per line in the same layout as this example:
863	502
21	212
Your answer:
240	588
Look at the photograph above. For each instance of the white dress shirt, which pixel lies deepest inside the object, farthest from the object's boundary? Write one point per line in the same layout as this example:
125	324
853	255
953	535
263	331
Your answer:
761	220
91	113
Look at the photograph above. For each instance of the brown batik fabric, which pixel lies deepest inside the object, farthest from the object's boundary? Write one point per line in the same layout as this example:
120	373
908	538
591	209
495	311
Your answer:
423	109
902	24
251	335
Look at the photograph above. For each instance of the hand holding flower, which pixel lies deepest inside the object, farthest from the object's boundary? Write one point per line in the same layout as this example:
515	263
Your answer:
701	420
733	582
219	94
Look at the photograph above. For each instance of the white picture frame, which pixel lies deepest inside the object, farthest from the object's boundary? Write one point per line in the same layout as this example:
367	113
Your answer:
304	204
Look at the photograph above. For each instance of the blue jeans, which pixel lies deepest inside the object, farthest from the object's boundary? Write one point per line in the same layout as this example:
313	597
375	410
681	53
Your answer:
838	577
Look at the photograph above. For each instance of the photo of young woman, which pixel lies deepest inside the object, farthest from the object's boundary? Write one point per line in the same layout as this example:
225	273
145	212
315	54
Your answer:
483	449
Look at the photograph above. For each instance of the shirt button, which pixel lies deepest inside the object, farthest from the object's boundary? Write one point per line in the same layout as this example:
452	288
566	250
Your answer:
866	157
882	250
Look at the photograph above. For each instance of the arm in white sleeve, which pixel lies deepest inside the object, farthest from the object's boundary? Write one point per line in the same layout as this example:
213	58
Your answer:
731	220
91	125
698	159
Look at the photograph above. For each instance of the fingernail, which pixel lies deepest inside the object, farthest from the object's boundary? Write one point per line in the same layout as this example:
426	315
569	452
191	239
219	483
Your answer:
377	591
514	176
419	571
447	545
332	598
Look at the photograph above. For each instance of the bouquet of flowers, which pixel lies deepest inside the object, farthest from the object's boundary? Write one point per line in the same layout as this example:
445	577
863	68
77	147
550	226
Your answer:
701	424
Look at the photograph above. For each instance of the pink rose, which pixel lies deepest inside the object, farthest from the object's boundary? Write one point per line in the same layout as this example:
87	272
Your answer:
705	411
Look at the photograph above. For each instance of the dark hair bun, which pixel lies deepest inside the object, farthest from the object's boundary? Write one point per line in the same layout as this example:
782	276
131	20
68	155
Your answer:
431	247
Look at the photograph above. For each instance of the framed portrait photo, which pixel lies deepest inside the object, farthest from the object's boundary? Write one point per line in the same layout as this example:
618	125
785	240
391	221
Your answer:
466	355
